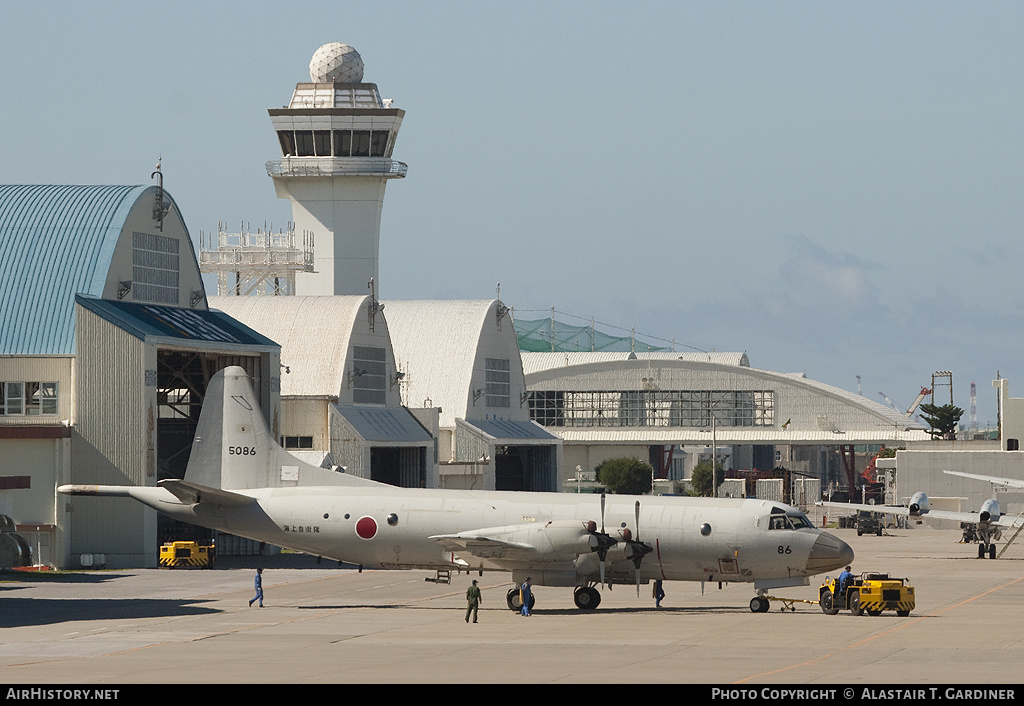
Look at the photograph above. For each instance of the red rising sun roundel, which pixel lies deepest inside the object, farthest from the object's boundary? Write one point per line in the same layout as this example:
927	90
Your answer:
366	527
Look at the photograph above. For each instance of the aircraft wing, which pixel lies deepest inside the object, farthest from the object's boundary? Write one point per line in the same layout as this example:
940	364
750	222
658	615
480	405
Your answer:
998	481
489	548
531	543
1005	522
852	507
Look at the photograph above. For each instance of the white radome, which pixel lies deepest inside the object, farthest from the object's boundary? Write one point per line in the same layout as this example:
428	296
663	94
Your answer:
336	62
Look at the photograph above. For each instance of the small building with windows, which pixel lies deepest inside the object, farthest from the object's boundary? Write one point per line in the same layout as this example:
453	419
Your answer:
461	357
106	346
340	400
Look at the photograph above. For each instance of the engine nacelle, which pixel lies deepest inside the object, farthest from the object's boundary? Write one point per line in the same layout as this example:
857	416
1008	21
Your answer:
919	504
990	511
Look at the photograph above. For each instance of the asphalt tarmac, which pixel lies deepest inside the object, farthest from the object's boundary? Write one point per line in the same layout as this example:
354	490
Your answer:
336	625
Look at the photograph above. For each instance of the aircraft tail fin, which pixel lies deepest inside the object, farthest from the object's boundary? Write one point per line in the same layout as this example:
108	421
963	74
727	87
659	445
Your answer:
233	448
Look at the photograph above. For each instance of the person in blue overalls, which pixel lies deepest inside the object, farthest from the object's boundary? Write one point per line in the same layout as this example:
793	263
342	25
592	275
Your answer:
524	596
259	588
844	581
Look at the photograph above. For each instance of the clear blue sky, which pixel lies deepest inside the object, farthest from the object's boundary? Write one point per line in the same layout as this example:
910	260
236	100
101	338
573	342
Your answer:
835	188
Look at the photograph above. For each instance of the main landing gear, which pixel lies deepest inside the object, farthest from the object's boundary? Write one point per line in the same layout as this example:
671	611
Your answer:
515	602
587	597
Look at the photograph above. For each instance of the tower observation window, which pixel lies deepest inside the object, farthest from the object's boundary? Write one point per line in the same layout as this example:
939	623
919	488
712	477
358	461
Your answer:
322	143
360	143
336	143
304	143
378	143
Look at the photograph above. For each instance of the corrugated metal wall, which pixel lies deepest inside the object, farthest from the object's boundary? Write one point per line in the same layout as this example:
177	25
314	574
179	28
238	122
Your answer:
114	442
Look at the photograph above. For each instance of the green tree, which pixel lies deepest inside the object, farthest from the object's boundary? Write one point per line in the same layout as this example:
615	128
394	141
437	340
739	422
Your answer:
625	476
700	478
942	420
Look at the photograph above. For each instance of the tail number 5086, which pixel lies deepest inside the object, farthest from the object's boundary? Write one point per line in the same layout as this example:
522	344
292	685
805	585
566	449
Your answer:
241	450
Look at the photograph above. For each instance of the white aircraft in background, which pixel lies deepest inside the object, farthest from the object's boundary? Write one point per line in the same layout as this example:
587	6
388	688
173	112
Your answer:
240	481
989	519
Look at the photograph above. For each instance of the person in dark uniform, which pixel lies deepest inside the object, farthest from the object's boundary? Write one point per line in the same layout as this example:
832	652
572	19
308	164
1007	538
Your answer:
473	599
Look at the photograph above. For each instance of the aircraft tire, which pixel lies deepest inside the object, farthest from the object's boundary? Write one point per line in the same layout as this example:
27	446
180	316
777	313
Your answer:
991	551
981	550
759	604
587	598
514	604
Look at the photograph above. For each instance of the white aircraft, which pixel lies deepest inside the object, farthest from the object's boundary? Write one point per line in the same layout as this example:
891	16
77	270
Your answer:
240	481
989	519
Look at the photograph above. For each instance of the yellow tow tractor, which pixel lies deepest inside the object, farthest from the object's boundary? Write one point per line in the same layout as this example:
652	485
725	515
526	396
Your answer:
869	593
191	554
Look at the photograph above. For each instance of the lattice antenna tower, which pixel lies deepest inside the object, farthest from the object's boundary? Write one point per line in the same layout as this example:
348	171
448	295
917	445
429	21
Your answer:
260	263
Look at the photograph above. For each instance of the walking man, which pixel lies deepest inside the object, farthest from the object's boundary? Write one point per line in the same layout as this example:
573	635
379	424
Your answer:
524	597
473	599
259	588
659	593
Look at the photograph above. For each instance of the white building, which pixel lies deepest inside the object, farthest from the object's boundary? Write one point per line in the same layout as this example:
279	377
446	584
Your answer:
340	400
462	357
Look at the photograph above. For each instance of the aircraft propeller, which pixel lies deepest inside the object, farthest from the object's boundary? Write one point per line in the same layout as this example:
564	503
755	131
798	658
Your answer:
635	548
600	542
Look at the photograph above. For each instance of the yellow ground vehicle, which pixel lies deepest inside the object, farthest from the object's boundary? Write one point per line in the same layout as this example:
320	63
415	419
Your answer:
186	554
869	593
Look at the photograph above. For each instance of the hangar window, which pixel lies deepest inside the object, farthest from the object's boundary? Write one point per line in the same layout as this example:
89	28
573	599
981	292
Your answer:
499	382
653	408
28	399
369	381
154	268
297	442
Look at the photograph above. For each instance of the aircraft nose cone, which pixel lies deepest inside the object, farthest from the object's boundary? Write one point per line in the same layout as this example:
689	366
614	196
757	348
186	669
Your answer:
828	553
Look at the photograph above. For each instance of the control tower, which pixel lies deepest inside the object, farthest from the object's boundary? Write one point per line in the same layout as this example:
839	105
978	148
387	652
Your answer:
336	138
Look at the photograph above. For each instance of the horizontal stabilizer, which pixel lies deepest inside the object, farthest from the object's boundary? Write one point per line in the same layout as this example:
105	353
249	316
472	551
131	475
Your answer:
193	493
110	491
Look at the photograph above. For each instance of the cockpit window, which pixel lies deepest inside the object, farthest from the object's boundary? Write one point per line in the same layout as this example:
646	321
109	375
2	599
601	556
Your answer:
799	520
796	520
